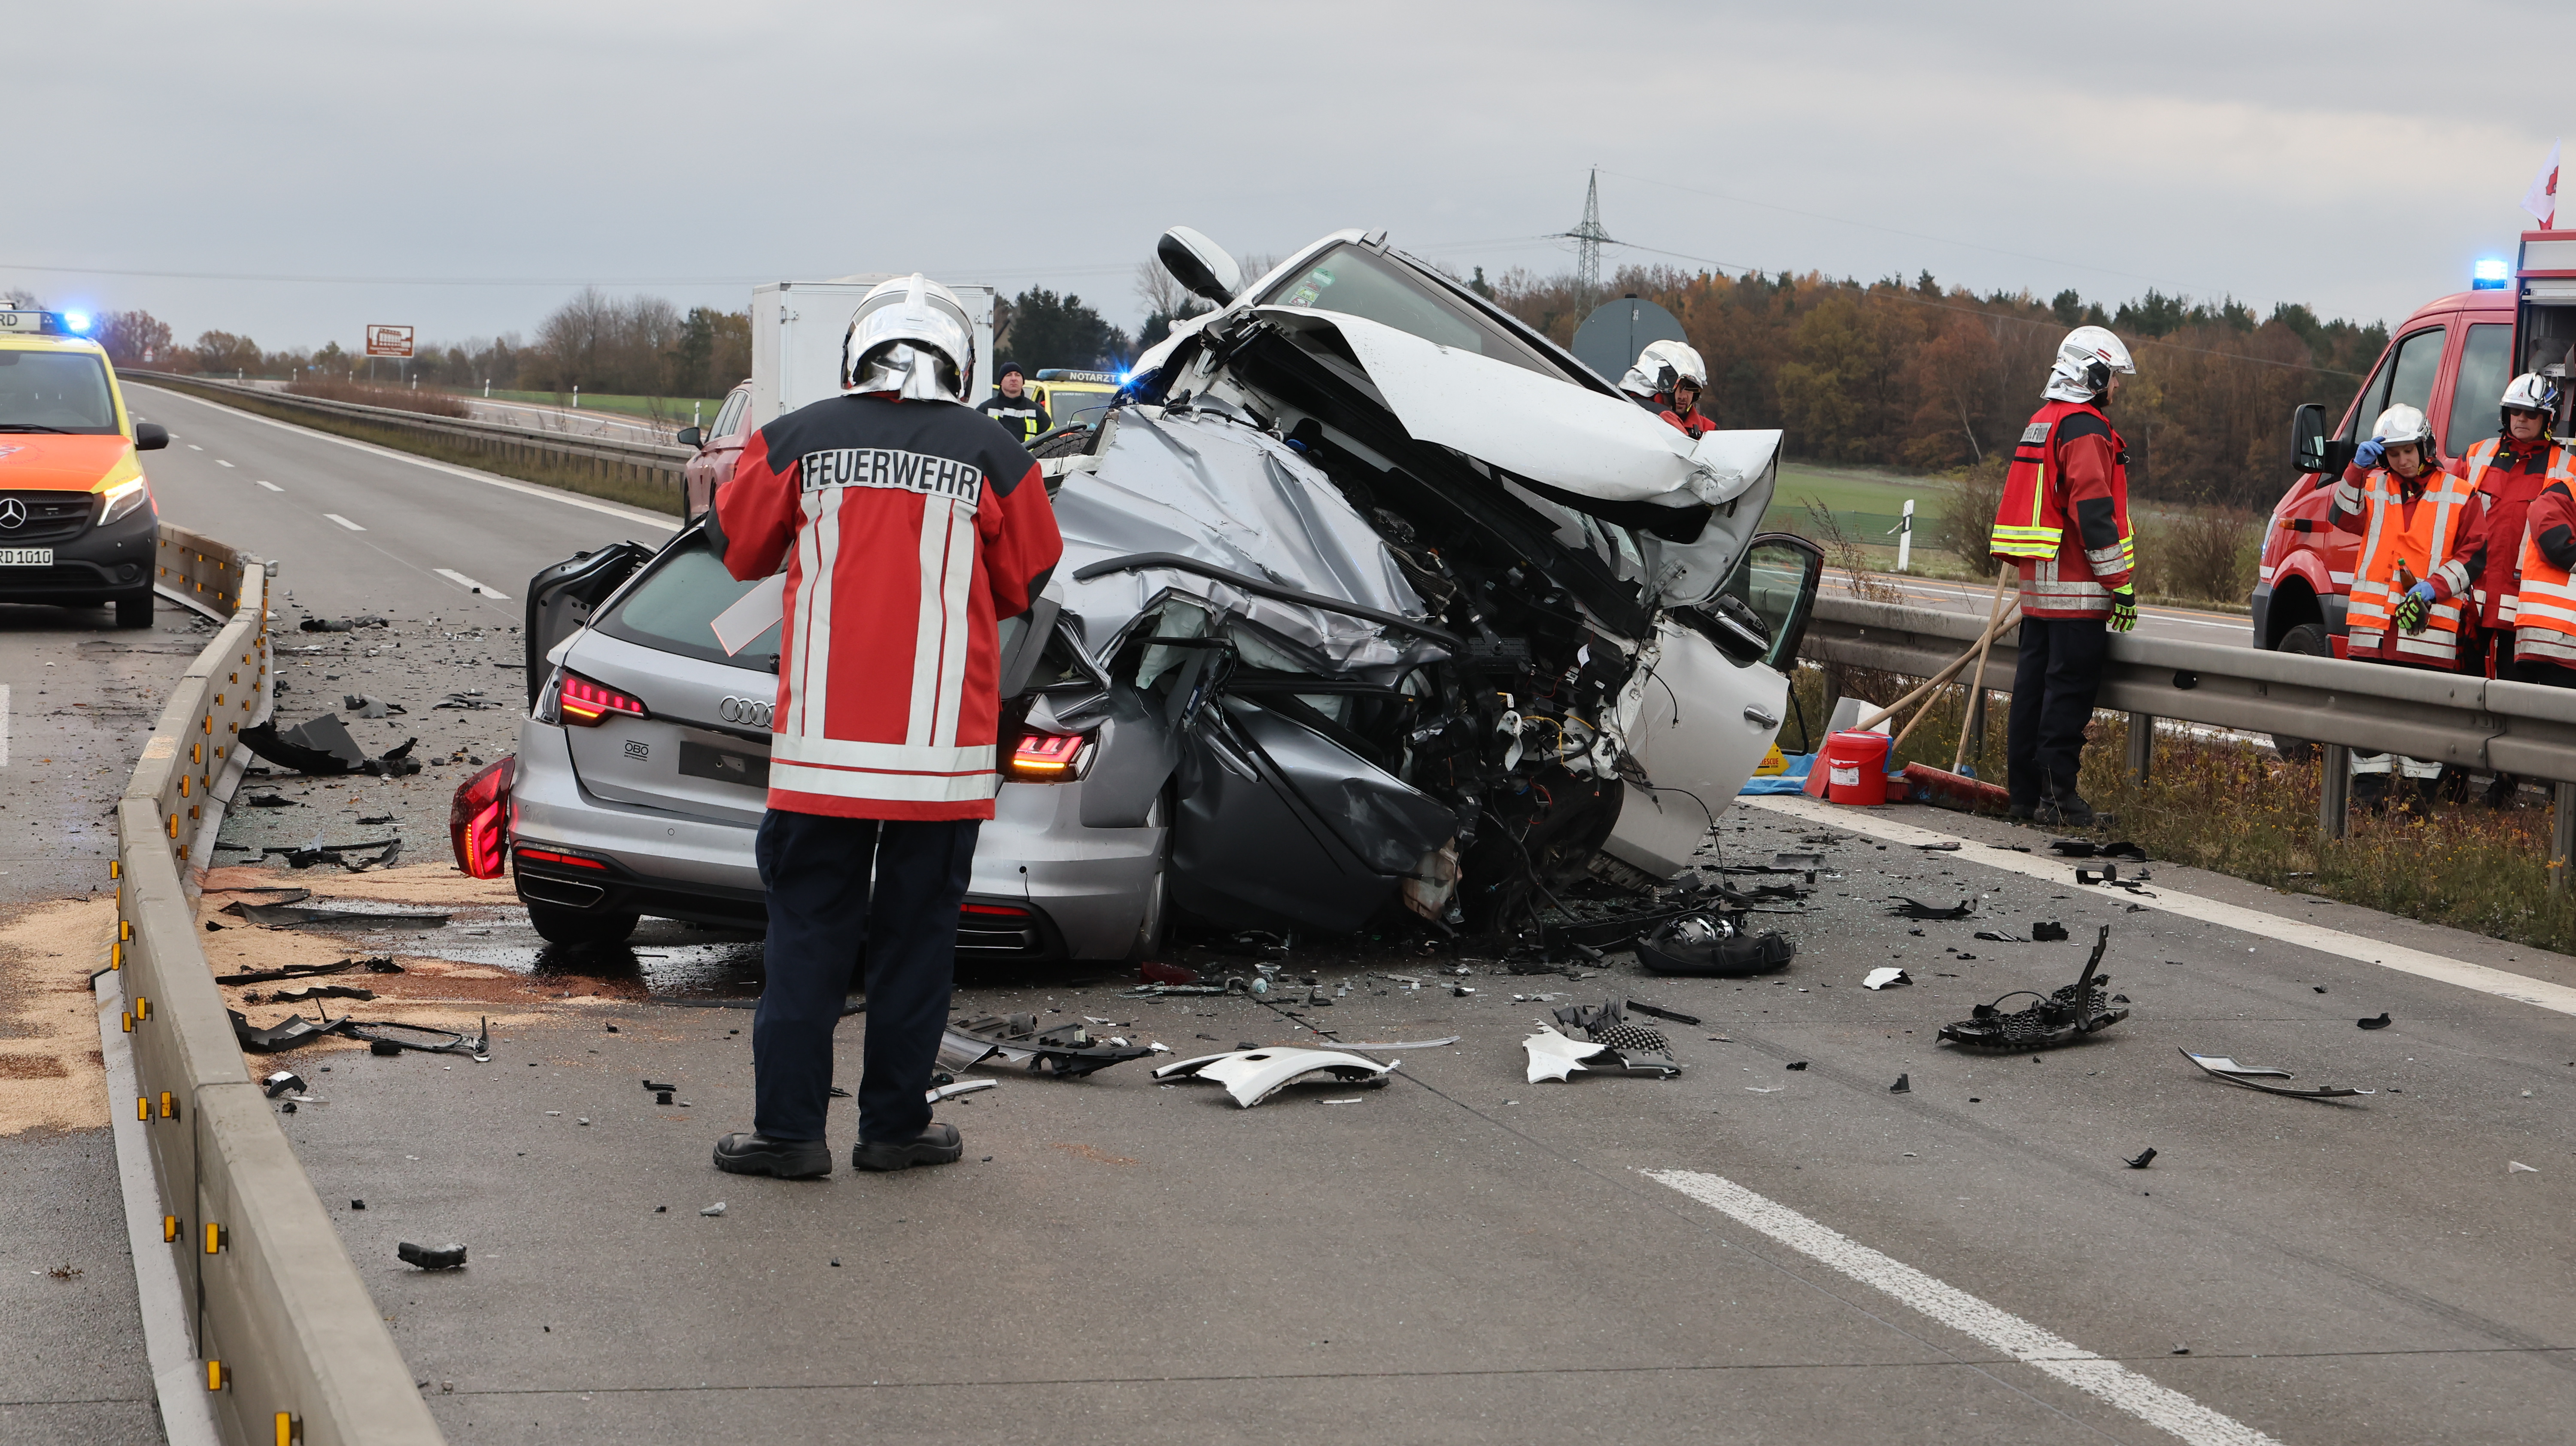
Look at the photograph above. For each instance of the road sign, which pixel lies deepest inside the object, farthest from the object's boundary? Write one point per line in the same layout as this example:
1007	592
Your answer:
1610	338
389	341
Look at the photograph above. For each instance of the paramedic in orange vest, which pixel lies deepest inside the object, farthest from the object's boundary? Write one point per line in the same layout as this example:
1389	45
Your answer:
2506	473
2409	509
2544	618
2065	520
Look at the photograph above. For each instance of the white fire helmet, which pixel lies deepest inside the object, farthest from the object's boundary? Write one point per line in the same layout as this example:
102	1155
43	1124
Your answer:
2085	361
1662	364
2532	392
2402	424
912	337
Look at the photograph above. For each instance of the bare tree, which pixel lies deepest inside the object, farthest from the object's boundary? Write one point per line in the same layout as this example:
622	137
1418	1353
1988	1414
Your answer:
1159	289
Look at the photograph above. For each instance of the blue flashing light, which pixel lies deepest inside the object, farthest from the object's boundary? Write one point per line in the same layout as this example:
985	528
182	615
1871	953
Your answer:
2490	275
76	322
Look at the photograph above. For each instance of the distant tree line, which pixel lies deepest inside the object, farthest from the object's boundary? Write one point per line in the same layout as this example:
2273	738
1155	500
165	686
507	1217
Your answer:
1935	378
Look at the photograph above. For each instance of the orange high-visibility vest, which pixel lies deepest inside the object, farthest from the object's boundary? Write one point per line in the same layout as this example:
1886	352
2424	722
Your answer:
2031	520
2421	545
2481	456
2544	626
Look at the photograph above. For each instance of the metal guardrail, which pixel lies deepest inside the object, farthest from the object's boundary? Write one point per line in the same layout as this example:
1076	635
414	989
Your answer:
281	1320
631	461
2451	718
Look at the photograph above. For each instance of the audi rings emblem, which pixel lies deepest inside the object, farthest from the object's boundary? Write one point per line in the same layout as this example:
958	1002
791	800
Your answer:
13	513
750	712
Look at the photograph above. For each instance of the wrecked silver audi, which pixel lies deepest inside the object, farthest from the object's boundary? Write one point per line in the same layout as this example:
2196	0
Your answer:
1373	600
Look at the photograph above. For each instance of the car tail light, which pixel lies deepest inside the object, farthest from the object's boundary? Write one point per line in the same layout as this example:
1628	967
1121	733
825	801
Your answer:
478	820
1000	911
581	703
1047	757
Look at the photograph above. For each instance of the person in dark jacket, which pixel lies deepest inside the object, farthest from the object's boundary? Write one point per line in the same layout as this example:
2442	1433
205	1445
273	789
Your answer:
1017	411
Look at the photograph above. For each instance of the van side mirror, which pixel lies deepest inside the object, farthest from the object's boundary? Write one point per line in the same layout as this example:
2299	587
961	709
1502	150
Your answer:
150	436
1199	264
2310	449
691	437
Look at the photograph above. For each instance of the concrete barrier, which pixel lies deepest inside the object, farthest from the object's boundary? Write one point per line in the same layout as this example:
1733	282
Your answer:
290	1344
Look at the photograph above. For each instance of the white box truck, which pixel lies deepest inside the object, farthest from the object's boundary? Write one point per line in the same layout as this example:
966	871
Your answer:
796	333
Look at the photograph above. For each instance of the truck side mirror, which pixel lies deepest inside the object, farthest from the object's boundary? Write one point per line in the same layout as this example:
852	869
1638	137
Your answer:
2310	449
1199	264
691	437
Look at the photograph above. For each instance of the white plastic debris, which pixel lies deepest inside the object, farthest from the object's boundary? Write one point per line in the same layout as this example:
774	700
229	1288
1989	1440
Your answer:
1886	979
2514	1166
1254	1075
715	1209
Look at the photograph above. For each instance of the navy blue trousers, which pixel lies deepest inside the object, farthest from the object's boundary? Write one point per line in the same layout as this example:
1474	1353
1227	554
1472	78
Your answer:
2053	686
828	930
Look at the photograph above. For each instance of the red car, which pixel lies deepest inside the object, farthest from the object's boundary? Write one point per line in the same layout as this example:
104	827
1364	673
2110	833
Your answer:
2452	359
719	443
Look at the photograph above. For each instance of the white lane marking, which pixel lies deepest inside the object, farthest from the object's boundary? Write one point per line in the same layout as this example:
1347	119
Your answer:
344	522
2034	1345
220	462
271	486
469	584
2519	988
193	447
569	499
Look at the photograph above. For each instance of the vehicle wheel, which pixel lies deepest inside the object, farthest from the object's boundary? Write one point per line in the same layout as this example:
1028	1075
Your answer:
2313	640
135	610
575	927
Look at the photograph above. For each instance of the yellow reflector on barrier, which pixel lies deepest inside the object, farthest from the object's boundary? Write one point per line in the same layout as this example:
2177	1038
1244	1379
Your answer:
125	928
169	1228
129	1023
116	868
142	1007
174	825
214	1238
214	1375
289	1430
169	1109
142	1108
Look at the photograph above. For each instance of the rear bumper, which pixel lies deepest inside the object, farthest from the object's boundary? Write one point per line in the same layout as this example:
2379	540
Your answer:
98	564
1043	887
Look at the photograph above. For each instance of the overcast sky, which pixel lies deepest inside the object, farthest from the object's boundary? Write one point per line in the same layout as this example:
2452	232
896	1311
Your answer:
474	162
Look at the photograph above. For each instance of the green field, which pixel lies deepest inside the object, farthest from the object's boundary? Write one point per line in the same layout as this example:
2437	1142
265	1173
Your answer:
1866	504
674	410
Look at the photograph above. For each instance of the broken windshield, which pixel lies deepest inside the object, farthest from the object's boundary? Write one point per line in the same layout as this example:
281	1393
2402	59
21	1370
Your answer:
1351	281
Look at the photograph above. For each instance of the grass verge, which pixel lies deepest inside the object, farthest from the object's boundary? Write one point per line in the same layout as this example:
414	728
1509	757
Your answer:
669	411
562	476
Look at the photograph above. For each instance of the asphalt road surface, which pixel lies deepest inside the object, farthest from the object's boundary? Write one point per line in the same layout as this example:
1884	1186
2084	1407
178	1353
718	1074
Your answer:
1774	1246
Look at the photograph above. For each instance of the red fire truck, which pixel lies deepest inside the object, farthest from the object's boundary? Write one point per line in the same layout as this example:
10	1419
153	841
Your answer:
2452	358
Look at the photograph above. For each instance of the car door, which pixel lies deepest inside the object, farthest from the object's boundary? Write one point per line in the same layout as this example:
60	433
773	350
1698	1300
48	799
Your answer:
562	598
1702	713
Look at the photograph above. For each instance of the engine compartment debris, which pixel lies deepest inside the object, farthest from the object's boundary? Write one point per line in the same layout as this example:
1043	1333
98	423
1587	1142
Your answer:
1713	945
1608	1044
1066	1051
2060	1017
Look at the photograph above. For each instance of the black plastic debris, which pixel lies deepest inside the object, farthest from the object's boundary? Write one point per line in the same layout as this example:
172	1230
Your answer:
2144	1159
431	1257
1795	1064
386	1036
1797	863
1637	1048
357	1204
1946	846
1999	937
296	916
340	625
2056	1018
384	1047
367	705
1713	945
1657	1011
1904	1085
288	1033
319	746
271	800
2380	1023
306	992
291	971
1066	1051
2048	931
394	762
282	1082
658	1087
1915	909
472	702
376	818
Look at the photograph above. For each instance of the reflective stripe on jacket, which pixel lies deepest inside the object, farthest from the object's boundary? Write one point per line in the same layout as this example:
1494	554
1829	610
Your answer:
2065	513
2400	535
2487	564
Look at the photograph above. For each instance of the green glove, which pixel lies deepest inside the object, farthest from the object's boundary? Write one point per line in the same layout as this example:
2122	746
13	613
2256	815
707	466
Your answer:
2413	608
2124	609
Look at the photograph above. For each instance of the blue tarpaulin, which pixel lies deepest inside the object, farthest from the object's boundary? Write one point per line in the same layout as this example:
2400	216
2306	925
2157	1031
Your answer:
1794	780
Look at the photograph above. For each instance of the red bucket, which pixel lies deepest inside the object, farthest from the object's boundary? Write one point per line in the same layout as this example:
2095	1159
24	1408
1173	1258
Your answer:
1855	765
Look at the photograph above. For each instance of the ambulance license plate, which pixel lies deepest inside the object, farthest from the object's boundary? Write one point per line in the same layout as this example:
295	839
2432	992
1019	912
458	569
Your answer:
26	557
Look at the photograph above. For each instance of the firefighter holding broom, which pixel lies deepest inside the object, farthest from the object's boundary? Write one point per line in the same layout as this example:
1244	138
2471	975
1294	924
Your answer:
2064	521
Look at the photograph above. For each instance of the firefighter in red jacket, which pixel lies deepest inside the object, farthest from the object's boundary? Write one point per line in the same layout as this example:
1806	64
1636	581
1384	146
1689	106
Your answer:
2506	472
910	525
2064	520
1668	380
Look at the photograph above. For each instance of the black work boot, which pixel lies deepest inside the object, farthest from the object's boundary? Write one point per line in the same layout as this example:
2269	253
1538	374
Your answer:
2064	811
2505	792
937	1144
750	1154
2020	812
